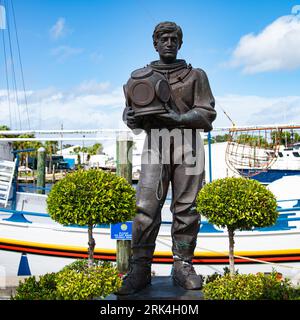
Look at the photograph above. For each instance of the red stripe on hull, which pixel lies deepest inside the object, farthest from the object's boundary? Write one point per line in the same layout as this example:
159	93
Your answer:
103	256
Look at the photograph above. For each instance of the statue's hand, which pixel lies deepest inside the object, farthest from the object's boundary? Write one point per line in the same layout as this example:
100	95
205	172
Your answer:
171	118
131	119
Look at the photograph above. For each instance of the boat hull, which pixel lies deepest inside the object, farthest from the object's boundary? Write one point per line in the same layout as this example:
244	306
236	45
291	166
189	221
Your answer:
39	245
49	247
269	175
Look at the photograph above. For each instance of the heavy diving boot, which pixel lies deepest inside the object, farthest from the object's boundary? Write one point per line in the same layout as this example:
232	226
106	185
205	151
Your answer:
138	277
184	274
184	235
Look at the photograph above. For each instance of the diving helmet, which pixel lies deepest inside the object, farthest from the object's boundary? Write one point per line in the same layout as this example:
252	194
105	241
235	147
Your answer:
147	92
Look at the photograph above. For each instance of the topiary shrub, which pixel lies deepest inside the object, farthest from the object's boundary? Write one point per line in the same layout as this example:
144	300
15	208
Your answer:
31	288
248	287
237	203
78	281
90	197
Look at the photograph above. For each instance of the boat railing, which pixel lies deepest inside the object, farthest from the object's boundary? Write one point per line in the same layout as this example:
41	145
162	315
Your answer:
286	216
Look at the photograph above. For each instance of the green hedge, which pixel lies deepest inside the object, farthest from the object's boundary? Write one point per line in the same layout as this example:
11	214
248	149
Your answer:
249	287
80	282
76	281
43	288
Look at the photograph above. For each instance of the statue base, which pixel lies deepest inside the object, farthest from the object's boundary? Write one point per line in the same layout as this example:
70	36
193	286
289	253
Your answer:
161	288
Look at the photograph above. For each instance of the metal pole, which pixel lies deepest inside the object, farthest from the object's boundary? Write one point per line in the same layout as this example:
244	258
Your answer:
124	169
41	164
209	156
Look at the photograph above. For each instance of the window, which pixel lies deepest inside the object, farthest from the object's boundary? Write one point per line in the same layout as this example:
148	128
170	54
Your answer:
296	154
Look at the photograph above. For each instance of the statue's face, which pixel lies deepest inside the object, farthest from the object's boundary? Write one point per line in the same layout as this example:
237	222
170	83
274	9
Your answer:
167	47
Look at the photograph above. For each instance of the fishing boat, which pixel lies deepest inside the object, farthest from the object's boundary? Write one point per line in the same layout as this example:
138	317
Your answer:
262	154
286	164
32	243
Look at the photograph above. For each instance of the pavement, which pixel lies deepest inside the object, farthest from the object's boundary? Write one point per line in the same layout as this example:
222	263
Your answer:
8	286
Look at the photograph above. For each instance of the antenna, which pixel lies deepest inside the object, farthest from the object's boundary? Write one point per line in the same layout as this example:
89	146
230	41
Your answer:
233	124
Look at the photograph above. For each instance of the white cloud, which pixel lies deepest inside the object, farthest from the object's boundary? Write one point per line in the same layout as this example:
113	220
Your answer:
275	48
82	107
257	110
62	53
58	30
92	86
92	105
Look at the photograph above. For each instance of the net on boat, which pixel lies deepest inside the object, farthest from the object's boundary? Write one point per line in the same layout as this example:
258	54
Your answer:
253	150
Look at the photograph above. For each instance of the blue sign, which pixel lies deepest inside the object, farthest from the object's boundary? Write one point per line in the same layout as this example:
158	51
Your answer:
121	231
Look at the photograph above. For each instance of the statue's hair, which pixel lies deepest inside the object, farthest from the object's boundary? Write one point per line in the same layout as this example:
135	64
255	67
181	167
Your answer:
166	27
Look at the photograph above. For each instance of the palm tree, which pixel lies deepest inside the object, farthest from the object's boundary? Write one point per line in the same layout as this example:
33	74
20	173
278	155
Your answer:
51	147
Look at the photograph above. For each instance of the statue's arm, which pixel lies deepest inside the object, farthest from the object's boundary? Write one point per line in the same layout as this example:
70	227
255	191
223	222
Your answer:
203	112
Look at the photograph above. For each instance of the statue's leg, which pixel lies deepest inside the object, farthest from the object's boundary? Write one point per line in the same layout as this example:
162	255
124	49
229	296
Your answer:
151	193
186	222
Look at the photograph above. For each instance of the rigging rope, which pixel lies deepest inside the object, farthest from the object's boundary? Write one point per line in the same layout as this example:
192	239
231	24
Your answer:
13	65
20	61
10	67
7	80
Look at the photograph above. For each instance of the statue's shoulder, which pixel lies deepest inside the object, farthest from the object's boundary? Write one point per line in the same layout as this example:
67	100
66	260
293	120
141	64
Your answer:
200	73
141	73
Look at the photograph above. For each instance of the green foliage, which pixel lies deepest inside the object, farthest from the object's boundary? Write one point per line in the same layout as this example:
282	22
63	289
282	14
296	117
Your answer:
80	282
221	138
21	145
237	203
218	138
4	128
75	281
252	140
32	289
78	265
249	287
216	275
295	294
50	147
91	197
285	137
96	148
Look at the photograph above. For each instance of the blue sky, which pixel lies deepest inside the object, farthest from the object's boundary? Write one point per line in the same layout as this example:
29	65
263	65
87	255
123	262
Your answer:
76	56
